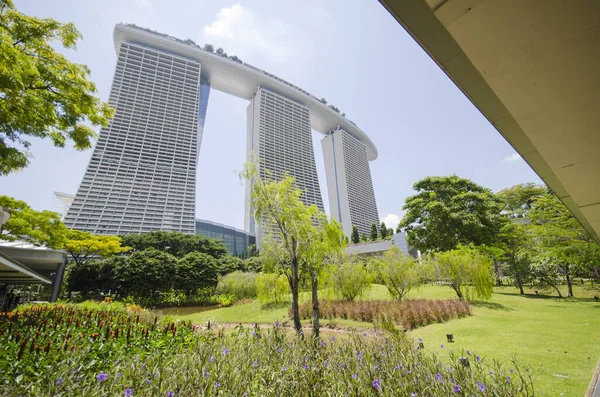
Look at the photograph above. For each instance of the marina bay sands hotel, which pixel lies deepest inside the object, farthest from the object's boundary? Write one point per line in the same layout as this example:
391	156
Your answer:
142	173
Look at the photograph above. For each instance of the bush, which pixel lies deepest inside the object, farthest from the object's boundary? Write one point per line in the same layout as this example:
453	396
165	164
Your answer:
350	279
151	356
408	314
238	284
398	271
271	288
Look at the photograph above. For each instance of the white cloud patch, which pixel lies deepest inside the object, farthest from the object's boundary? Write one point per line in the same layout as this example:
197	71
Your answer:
240	31
391	220
513	157
142	3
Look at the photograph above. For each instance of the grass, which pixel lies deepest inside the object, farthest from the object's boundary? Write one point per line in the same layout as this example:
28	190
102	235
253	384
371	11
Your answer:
557	338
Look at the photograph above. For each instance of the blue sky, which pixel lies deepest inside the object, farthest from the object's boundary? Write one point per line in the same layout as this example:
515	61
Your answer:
351	52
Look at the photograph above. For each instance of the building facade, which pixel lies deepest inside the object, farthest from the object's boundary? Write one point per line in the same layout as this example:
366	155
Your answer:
142	173
349	184
237	242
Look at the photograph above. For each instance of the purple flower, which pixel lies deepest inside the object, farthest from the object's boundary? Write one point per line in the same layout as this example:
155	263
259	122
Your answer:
245	394
491	373
507	379
170	394
332	338
481	386
439	377
128	392
284	368
226	352
413	394
441	346
376	385
211	359
218	384
279	350
101	377
325	364
59	381
277	323
118	375
360	355
456	389
305	365
323	344
364	334
207	375
478	358
255	364
136	358
420	341
354	376
469	352
512	370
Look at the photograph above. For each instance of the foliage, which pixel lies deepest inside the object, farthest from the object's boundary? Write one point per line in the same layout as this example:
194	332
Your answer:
363	238
355	238
155	357
174	243
229	264
409	314
147	272
43	94
94	277
374	234
196	270
271	288
383	230
466	271
253	264
84	246
209	47
398	271
448	211
518	199
349	277
516	244
25	224
238	284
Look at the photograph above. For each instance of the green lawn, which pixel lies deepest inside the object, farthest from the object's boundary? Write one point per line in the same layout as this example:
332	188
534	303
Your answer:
558	339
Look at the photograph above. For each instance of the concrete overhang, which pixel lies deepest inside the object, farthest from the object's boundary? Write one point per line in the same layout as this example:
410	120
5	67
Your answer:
39	260
533	69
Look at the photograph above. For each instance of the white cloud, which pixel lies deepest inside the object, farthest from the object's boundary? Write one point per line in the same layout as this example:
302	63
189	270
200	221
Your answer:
240	31
142	3
513	157
391	220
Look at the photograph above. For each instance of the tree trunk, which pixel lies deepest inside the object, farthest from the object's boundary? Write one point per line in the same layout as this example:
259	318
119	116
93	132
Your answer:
315	306
568	277
557	291
458	292
497	271
293	280
521	288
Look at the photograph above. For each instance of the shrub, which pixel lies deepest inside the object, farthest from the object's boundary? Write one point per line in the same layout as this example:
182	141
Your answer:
271	288
349	278
151	356
238	284
398	271
408	313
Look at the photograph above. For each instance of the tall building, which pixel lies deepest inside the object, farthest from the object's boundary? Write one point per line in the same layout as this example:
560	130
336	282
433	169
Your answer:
142	174
279	134
349	184
237	242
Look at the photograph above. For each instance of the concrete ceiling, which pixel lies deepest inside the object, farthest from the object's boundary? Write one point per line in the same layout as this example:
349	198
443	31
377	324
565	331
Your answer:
532	67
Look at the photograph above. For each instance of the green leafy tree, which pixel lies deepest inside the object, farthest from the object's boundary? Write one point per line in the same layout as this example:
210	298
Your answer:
516	247
240	285
349	277
448	211
43	95
253	264
84	246
95	276
355	236
561	242
196	270
175	243
147	272
228	264
363	238
36	227
518	199
209	48
466	271
374	233
383	231
271	288
399	272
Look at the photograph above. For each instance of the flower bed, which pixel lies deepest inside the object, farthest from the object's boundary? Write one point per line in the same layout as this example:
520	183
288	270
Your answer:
162	358
408	313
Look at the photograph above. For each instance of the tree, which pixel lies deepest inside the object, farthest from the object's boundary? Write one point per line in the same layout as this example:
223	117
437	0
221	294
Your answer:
219	51
209	48
561	240
323	100
36	227
228	264
196	270
355	237
363	238
147	272
175	243
271	288
95	276
390	232
398	271
349	277
383	231
516	248
466	271
518	199
374	234
43	94
448	211
253	264
84	246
